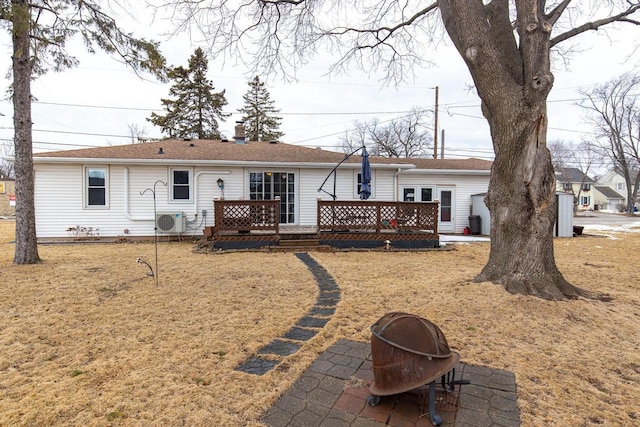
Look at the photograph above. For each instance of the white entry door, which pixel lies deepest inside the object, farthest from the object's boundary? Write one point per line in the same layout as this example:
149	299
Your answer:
447	211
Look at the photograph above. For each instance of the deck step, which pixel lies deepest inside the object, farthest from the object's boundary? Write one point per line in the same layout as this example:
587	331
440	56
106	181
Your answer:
314	248
299	242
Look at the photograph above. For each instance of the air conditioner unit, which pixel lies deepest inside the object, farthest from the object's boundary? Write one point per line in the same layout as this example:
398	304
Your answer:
170	222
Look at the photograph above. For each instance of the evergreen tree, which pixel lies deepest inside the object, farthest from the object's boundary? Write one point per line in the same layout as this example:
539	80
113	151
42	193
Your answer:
259	120
196	108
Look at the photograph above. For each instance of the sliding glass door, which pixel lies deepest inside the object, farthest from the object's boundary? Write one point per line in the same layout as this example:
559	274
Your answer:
269	185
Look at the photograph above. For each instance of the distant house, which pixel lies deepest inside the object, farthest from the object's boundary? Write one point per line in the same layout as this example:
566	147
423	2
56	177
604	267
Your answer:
607	199
614	180
574	181
109	191
7	197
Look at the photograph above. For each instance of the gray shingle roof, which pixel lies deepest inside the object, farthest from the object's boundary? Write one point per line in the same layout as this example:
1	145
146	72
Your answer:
252	151
608	192
573	175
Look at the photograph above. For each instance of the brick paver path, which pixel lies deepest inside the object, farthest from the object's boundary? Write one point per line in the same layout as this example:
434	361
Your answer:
333	392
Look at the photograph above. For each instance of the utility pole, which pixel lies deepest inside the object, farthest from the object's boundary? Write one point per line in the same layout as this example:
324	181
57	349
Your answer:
435	128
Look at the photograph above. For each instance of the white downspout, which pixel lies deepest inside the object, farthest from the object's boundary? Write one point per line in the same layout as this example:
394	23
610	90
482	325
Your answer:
396	184
195	188
126	199
127	205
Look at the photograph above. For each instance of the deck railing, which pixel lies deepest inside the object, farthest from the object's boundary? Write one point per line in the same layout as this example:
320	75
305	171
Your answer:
377	216
246	215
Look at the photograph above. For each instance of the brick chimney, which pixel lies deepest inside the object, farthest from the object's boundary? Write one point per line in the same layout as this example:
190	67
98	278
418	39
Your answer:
239	133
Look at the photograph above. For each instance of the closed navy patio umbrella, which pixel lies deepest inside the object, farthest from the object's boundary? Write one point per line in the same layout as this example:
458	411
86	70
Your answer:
365	186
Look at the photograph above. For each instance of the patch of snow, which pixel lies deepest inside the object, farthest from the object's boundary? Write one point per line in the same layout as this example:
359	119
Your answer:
446	239
622	228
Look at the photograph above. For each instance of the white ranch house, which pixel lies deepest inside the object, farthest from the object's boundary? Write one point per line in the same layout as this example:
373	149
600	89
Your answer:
106	191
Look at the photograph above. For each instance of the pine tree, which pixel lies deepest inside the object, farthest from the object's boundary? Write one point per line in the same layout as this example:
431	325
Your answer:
40	31
259	120
196	108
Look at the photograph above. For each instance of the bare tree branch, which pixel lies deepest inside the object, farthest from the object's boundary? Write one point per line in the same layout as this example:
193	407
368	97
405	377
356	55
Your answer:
594	25
555	14
614	110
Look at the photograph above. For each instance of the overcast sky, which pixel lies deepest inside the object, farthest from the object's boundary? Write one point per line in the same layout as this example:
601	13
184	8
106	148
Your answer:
95	103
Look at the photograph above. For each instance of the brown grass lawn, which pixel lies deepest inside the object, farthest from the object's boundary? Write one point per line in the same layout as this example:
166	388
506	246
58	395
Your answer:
88	339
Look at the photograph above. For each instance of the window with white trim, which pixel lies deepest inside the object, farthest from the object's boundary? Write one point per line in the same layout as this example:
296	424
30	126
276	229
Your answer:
619	186
408	194
426	194
180	185
585	200
96	187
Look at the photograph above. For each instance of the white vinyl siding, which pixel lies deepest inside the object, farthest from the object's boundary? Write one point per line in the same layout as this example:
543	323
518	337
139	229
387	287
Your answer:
131	204
128	209
464	187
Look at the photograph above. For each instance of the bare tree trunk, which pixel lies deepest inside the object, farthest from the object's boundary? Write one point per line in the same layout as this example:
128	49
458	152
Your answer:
522	203
513	78
26	246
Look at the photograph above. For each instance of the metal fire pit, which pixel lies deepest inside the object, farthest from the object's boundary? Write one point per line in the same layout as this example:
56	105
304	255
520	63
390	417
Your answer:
408	352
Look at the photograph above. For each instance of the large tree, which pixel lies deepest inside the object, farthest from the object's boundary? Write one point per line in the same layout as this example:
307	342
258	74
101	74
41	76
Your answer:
506	46
196	109
40	30
259	113
406	136
614	110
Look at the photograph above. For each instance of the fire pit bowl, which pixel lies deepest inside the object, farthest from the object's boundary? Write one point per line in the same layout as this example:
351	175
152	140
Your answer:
408	352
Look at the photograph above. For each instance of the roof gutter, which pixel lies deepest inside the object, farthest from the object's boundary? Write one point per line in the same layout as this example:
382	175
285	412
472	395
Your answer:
226	163
477	172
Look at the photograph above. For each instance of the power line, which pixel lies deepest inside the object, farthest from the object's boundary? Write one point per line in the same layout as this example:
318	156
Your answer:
330	113
106	107
64	144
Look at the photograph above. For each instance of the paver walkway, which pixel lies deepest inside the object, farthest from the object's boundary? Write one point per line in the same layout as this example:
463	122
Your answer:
272	354
332	392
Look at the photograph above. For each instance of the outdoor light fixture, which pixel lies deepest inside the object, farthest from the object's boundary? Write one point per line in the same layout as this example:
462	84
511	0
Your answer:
220	182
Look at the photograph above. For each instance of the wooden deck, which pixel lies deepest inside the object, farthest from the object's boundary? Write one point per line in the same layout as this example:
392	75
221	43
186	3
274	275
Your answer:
252	224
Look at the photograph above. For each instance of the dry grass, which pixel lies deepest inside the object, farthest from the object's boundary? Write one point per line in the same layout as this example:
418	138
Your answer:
88	339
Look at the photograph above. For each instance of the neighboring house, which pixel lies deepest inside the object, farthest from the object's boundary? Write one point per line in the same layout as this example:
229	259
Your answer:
574	181
616	182
608	200
108	190
7	197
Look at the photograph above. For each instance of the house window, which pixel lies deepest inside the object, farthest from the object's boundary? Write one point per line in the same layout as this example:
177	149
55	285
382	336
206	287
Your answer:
180	185
566	186
96	192
585	200
426	194
408	194
619	186
421	194
586	187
